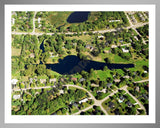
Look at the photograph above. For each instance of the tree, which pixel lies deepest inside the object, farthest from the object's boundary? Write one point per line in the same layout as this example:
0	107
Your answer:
41	69
107	60
105	68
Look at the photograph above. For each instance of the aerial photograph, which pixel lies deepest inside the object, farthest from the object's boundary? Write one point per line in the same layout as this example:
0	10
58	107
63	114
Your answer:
80	63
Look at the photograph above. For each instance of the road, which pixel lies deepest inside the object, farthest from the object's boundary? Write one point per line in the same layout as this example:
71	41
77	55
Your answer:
141	81
96	102
71	33
33	32
141	106
129	19
132	26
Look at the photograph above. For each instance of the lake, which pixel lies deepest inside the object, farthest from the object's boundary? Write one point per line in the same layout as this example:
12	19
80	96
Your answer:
72	64
78	17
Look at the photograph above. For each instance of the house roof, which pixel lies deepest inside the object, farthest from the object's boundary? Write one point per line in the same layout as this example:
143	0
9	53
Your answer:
14	81
129	103
82	79
111	104
52	80
121	97
42	80
109	85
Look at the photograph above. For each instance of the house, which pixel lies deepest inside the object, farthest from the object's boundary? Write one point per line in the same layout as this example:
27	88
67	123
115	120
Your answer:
125	50
117	80
145	71
114	20
137	89
107	51
135	37
14	13
39	25
14	81
61	91
31	80
90	47
74	79
51	55
121	41
129	104
32	55
113	46
52	80
101	37
16	97
117	112
75	104
103	91
133	19
94	85
121	99
111	104
126	77
107	43
144	96
109	85
82	79
141	17
43	81
39	20
13	21
84	100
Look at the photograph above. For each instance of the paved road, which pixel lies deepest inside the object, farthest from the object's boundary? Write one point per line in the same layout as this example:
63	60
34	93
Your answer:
96	102
129	19
141	81
33	32
141	106
132	26
70	33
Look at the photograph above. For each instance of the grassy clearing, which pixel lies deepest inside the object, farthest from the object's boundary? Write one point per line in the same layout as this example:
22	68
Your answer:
58	18
85	38
16	51
130	99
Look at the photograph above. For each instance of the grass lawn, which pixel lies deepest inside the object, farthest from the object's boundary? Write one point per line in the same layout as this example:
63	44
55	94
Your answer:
85	38
130	99
101	74
58	18
16	51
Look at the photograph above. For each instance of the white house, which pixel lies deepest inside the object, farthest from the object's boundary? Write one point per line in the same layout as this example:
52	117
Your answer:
16	97
101	36
125	50
84	100
14	81
114	20
39	19
13	21
61	91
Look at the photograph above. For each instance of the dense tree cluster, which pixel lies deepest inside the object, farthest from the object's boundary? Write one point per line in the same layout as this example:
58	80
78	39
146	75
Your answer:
23	21
47	102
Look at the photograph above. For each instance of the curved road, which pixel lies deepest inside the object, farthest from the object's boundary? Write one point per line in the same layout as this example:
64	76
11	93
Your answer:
96	102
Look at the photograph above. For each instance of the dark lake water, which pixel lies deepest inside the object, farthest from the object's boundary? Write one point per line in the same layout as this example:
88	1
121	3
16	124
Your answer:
72	64
78	17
